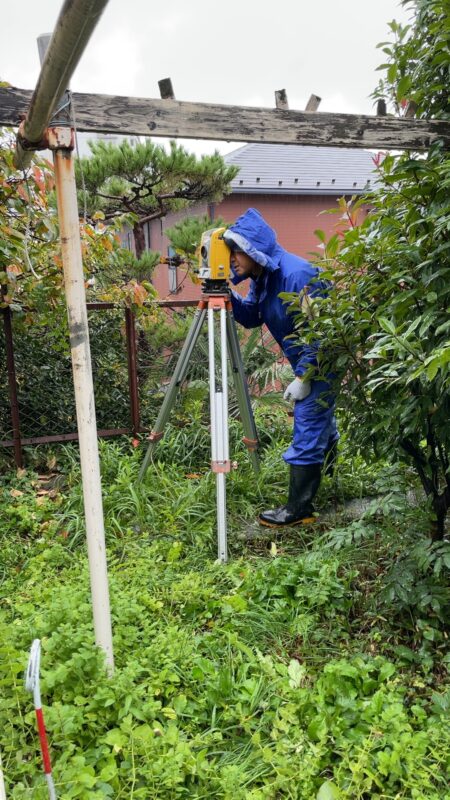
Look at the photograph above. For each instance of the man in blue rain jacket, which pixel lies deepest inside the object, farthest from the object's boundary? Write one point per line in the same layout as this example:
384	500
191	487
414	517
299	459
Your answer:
257	255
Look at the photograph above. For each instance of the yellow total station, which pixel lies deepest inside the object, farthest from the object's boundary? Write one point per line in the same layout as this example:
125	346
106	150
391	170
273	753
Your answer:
214	257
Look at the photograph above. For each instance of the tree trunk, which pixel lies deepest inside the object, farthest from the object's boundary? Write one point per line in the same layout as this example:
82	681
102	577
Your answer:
441	503
143	345
139	240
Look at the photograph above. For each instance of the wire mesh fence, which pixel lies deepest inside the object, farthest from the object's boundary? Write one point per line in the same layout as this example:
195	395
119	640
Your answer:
131	365
156	360
37	402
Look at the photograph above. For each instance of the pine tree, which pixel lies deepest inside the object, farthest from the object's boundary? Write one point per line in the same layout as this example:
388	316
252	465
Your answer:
145	181
185	236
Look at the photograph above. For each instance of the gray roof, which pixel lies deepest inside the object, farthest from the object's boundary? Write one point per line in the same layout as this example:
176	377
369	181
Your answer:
297	169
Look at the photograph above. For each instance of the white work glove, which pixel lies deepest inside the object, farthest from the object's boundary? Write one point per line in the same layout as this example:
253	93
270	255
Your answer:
297	390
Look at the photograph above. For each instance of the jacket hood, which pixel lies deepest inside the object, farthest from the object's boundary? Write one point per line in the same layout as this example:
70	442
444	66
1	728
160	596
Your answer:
251	234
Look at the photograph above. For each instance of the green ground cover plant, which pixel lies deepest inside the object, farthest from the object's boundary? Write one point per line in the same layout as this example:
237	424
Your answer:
313	668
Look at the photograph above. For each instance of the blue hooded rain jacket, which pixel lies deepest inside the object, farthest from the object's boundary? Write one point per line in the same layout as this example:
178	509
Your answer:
314	422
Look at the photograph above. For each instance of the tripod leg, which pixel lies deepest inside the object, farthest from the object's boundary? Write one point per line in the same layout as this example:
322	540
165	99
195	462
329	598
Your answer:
240	384
176	380
220	461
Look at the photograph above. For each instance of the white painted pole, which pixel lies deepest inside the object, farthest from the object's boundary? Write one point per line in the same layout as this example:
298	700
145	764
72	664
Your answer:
2	782
84	393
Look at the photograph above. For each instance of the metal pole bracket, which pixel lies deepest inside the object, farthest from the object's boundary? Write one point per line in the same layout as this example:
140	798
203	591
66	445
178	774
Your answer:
54	138
60	138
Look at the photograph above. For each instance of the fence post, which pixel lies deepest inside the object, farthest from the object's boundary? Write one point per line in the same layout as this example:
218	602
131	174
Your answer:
130	330
12	384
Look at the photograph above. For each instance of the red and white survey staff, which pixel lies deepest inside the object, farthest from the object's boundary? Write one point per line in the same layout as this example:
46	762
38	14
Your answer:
32	685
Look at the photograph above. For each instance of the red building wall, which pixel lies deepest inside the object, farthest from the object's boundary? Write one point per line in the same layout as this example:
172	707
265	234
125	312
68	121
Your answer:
159	242
294	218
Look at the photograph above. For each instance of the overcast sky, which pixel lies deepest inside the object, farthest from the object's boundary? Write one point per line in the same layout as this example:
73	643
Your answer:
237	52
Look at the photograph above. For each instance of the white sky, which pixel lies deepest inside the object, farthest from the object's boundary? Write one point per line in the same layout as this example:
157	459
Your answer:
237	52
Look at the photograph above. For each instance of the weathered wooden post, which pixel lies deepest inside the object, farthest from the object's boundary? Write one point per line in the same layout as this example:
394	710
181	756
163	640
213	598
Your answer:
73	29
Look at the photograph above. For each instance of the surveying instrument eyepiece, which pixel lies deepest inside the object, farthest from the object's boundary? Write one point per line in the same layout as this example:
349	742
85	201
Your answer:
213	272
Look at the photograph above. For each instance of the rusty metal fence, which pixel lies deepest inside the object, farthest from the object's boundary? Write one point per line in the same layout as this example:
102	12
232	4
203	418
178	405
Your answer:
37	404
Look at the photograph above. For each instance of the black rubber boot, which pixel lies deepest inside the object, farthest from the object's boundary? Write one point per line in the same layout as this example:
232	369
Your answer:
331	456
304	482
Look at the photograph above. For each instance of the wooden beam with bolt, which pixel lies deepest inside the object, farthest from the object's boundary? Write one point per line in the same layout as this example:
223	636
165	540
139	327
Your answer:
139	116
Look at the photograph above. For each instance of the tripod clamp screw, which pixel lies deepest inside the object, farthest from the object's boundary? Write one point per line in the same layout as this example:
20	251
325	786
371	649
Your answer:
220	466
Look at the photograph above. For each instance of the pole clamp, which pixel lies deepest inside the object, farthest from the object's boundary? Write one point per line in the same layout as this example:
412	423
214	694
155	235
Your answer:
220	466
53	138
251	444
155	436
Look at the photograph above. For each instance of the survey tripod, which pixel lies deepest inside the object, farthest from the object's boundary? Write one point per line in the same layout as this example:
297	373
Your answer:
215	306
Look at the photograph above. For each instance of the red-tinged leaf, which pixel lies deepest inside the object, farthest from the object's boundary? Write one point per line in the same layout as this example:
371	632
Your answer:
39	178
139	294
22	192
14	269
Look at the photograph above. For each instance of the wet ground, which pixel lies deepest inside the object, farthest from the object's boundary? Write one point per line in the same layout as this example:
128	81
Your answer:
333	515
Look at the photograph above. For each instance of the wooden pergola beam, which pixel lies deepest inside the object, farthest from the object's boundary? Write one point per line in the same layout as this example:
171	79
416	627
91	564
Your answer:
139	116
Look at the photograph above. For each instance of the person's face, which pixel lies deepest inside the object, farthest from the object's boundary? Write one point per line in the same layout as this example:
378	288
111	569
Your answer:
244	266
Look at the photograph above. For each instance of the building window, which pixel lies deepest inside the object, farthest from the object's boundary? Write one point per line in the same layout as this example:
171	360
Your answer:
147	236
173	273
